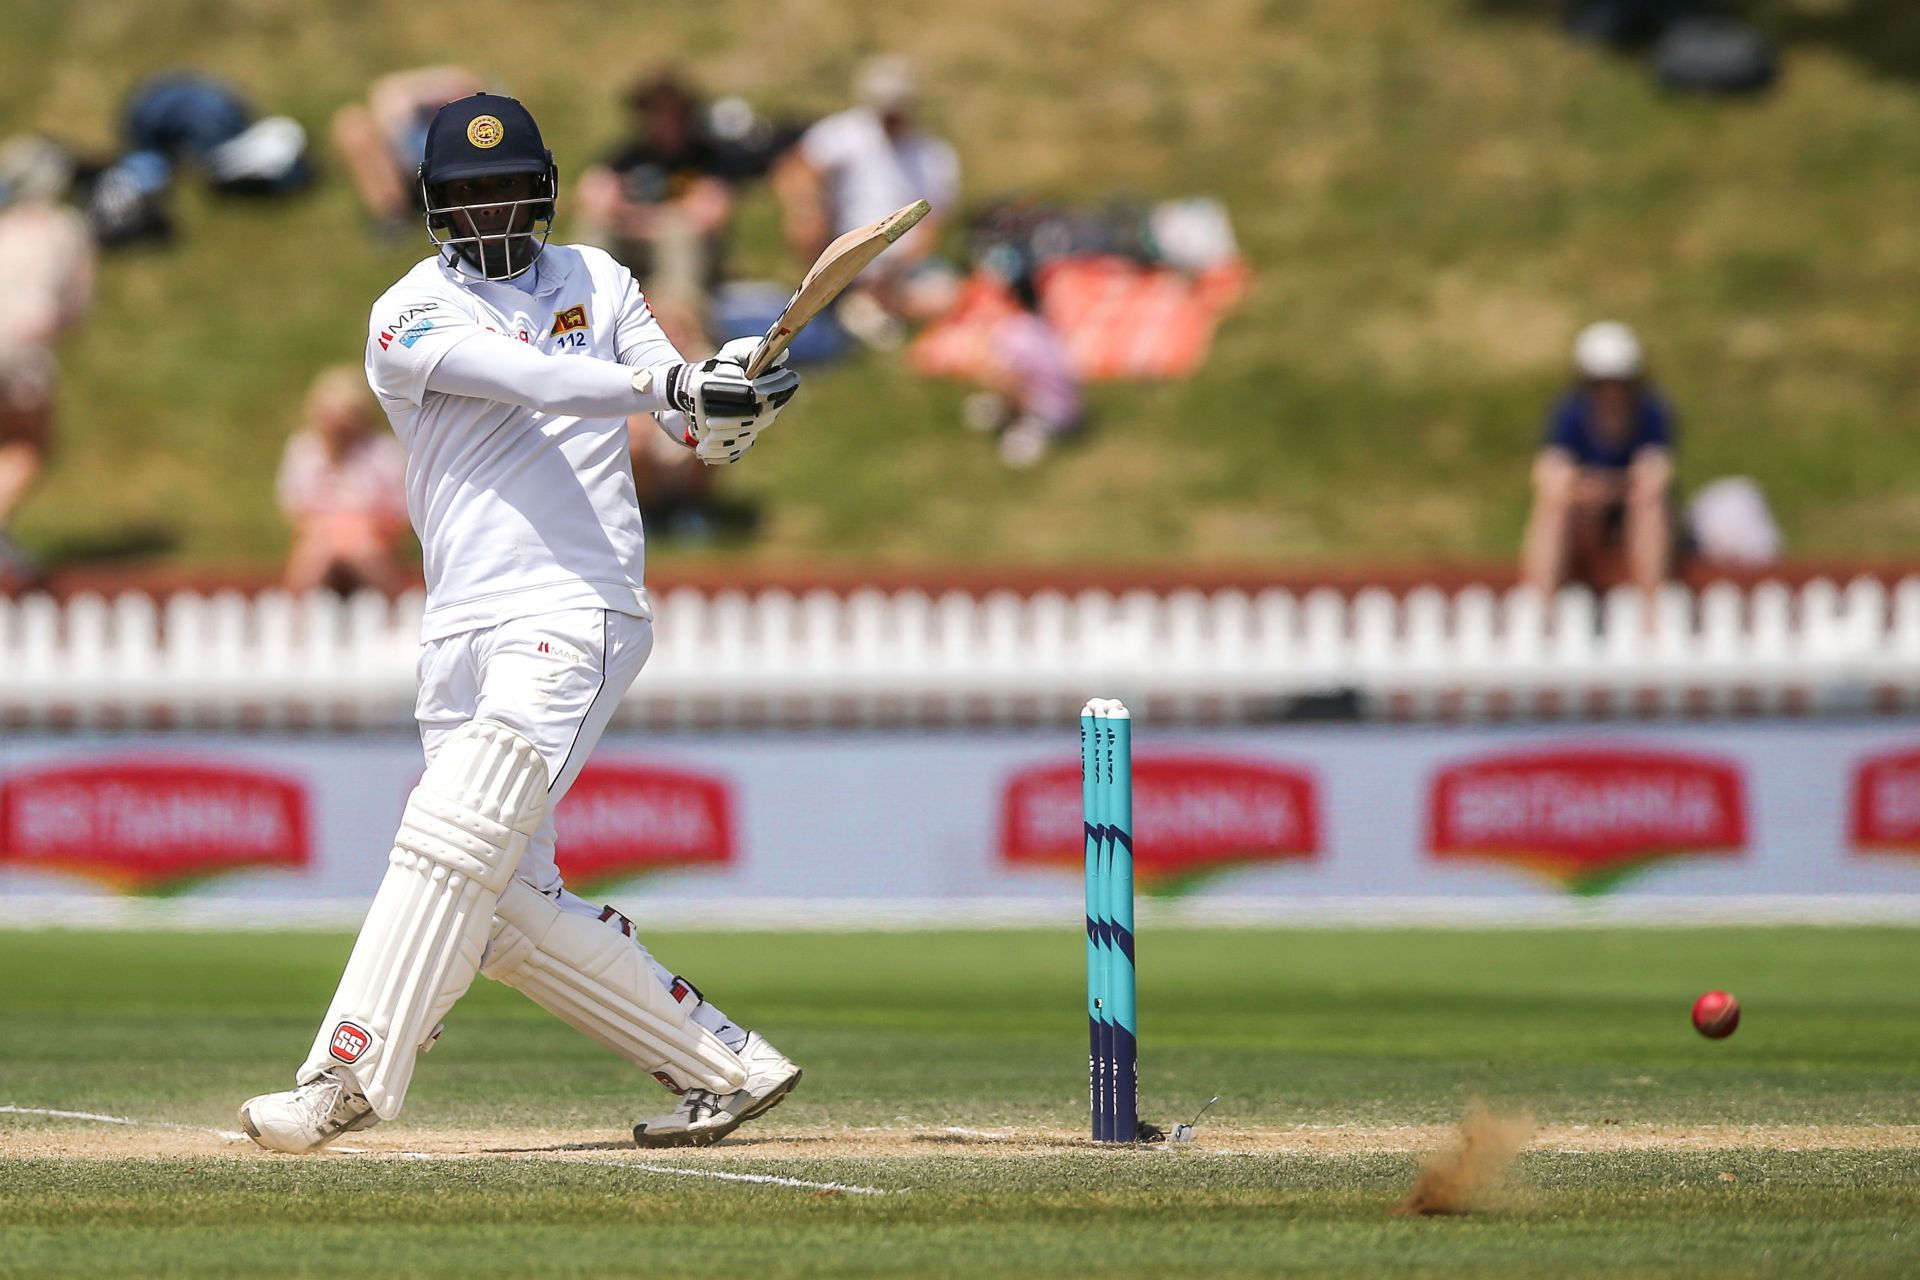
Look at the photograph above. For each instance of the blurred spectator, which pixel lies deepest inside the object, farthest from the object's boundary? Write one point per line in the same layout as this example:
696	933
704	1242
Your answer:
47	260
659	205
745	143
188	118
342	485
380	142
858	166
38	169
675	488
1604	472
1031	390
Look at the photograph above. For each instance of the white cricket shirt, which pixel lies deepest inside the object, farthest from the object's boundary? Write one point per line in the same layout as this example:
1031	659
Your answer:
511	398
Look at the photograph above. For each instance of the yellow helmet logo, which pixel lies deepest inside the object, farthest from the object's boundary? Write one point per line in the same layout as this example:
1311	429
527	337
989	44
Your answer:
485	132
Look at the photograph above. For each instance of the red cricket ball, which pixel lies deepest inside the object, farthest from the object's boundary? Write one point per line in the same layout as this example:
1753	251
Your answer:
1715	1015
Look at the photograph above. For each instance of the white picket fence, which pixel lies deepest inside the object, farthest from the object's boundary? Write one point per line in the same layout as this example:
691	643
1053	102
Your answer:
906	657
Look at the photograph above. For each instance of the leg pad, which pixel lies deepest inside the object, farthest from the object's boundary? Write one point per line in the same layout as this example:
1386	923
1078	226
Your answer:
596	979
465	827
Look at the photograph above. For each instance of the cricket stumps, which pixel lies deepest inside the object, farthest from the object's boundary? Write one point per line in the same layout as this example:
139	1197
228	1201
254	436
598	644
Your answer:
1106	790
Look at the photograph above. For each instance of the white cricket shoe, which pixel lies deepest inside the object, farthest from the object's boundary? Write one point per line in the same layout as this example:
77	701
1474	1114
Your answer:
306	1118
702	1118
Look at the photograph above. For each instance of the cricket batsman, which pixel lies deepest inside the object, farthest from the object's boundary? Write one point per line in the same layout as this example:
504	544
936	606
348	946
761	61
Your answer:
508	368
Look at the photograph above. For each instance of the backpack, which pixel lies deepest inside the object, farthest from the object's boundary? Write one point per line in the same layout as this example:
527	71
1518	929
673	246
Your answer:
126	201
1620	23
1714	55
187	117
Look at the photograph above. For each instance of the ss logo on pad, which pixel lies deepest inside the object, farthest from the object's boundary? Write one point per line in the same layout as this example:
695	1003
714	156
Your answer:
349	1042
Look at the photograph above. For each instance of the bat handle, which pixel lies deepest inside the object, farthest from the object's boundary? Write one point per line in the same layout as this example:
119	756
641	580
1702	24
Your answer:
768	351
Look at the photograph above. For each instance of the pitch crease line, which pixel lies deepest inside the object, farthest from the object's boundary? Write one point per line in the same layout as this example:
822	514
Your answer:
719	1175
722	1175
230	1135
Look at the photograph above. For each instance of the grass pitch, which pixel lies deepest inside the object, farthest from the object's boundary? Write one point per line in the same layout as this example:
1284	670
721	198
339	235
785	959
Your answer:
938	1130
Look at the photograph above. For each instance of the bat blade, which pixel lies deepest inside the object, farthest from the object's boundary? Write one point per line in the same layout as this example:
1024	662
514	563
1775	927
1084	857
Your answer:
831	272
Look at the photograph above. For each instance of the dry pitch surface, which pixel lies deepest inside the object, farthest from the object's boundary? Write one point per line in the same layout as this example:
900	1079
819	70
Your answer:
124	1138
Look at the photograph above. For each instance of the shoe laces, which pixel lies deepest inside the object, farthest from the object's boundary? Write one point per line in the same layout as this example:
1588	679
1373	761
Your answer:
329	1099
701	1104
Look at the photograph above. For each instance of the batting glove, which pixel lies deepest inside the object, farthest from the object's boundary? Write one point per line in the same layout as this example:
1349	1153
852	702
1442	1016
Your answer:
727	410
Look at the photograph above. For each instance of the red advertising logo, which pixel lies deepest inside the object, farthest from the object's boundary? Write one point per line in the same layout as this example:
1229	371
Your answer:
145	825
1191	815
1886	803
620	821
1587	818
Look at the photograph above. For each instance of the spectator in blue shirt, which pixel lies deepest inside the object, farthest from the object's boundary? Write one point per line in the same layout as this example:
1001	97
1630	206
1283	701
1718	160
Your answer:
1604	472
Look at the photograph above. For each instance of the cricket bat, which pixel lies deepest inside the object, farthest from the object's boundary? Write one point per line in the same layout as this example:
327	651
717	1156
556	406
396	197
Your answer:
831	272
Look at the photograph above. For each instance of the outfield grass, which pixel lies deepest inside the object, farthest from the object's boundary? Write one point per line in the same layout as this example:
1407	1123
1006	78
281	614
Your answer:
1435	194
1822	1214
1321	1044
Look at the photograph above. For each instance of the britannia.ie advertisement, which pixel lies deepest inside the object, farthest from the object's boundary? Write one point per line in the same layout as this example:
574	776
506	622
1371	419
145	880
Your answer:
1280	816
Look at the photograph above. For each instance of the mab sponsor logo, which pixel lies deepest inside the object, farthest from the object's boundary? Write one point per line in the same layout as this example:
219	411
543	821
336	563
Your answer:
1587	818
144	825
415	332
1191	815
401	323
1885	808
623	820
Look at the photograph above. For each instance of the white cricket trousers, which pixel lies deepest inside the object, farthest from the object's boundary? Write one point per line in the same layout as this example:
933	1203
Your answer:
555	679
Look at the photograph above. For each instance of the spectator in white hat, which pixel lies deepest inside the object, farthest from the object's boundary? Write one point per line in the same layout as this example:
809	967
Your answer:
1603	476
858	166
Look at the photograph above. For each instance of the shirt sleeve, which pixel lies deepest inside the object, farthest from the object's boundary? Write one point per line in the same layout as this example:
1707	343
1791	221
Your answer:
637	335
1656	424
406	340
823	145
491	366
1563	427
624	157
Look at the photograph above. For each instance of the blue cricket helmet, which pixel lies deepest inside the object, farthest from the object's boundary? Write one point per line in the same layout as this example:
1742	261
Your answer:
487	135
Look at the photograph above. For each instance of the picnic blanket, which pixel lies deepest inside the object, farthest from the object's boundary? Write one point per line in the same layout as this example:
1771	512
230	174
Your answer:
1119	319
